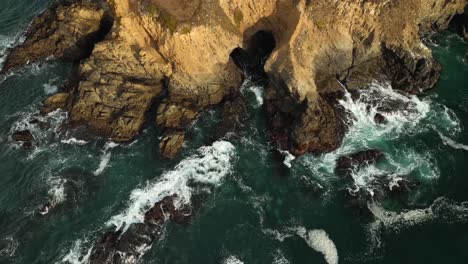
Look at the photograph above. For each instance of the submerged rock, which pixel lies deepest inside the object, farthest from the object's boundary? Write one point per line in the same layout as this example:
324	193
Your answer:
347	164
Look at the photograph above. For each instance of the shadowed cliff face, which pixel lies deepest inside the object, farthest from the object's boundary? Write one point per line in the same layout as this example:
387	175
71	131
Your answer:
180	57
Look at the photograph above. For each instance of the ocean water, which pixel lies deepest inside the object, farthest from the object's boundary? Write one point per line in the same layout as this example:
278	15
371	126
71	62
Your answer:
258	206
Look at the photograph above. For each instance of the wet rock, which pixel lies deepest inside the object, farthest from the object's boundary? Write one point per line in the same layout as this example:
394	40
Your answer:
401	186
43	210
409	71
24	138
54	102
380	119
121	247
171	143
346	164
234	117
63	32
315	125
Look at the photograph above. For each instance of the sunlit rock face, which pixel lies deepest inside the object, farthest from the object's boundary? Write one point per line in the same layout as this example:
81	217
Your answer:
165	61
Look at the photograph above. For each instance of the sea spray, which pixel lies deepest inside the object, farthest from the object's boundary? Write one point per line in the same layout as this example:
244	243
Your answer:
288	158
256	89
75	254
319	240
105	157
209	166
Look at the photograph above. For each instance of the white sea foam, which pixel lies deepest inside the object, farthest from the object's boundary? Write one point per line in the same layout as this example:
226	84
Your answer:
209	166
319	240
105	157
279	258
74	141
288	158
372	101
256	89
404	114
50	87
77	254
57	190
452	143
232	260
7	42
441	209
9	246
31	120
277	234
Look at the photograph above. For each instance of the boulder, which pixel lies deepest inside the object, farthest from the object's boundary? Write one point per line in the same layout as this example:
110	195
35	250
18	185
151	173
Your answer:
171	143
23	138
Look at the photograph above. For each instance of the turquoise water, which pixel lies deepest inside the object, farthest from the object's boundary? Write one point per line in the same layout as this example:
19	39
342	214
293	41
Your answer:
254	209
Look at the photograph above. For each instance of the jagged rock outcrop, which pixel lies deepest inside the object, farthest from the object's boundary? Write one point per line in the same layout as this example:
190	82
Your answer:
128	246
62	32
175	56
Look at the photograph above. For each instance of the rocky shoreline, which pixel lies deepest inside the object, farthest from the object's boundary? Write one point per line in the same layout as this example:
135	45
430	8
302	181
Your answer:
134	56
164	62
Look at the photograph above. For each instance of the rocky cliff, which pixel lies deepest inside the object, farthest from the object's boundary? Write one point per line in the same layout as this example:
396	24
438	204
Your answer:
177	57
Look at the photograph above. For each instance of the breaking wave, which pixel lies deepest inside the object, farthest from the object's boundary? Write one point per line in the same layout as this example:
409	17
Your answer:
403	115
209	166
8	42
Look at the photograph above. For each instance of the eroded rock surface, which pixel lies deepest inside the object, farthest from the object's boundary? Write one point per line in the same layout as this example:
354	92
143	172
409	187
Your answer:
63	32
177	57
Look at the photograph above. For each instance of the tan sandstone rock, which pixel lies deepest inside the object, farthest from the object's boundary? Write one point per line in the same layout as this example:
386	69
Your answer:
180	50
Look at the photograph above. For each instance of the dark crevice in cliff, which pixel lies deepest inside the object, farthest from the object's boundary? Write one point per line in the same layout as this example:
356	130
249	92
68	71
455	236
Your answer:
251	61
87	43
459	23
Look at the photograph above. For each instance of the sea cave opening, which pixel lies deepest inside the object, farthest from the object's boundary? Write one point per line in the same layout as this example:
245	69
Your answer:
251	61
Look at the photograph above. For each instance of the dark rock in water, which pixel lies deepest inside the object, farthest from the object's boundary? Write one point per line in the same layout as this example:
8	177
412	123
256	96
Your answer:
380	119
24	135
347	164
165	210
119	246
45	209
42	125
402	186
234	117
409	72
24	138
